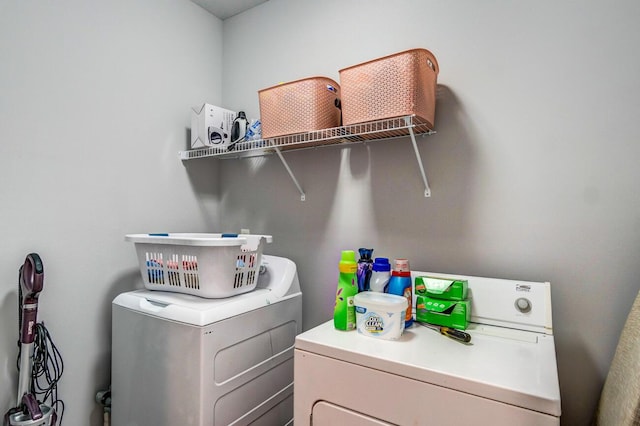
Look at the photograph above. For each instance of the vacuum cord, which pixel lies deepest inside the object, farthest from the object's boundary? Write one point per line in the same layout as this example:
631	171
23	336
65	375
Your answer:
47	370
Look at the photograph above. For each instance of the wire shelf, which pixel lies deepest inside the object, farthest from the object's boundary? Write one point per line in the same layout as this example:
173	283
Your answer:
373	130
391	128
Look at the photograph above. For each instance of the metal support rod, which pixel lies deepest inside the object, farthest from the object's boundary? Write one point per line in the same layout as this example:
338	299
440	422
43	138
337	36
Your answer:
286	166
427	190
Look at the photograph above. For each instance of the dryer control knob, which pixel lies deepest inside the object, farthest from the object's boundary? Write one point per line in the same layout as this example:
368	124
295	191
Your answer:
523	305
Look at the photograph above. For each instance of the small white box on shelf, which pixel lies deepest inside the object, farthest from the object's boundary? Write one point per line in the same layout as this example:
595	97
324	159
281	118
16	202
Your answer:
211	126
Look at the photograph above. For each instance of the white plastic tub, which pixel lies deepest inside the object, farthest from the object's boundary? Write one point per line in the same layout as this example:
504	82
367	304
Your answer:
380	315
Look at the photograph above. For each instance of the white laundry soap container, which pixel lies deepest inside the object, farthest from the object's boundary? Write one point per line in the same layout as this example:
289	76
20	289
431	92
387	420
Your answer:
380	315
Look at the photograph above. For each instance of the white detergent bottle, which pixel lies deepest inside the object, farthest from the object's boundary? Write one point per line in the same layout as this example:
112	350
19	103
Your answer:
380	275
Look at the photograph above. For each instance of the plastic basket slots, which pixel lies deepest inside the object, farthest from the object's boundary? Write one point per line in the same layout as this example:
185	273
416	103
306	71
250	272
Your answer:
392	86
205	265
299	106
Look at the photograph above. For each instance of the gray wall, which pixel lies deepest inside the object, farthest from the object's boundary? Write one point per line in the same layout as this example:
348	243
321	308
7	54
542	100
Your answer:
533	169
94	105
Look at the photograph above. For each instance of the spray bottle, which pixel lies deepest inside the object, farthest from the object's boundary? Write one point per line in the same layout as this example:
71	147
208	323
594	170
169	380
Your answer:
344	311
400	284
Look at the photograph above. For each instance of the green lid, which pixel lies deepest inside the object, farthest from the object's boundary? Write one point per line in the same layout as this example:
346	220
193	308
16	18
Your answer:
348	261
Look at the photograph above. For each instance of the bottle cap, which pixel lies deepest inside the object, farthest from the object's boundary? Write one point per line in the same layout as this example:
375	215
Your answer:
348	261
401	265
381	264
365	253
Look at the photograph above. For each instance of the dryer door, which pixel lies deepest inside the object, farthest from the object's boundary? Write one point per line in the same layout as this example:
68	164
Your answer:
326	414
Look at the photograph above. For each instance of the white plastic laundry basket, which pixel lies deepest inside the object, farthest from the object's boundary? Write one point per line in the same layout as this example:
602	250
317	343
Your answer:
205	265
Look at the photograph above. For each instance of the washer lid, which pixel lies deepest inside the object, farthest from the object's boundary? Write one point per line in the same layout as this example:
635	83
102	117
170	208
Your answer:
511	366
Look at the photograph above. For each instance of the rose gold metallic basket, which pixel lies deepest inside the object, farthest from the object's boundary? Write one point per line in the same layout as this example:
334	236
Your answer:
392	86
299	106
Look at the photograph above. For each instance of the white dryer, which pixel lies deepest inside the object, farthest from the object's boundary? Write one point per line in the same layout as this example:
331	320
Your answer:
507	375
179	359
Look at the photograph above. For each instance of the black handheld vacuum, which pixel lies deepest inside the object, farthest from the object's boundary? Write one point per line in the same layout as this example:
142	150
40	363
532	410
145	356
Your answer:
29	411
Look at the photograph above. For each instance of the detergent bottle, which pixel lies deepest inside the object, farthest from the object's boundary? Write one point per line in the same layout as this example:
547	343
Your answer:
380	275
365	264
344	311
400	284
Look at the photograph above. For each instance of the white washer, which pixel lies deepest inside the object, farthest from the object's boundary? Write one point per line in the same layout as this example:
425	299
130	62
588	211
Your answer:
507	375
180	359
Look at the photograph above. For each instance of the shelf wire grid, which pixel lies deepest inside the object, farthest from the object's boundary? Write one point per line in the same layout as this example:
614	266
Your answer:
373	130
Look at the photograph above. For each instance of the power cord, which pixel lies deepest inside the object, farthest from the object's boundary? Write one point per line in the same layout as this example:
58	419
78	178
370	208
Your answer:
46	371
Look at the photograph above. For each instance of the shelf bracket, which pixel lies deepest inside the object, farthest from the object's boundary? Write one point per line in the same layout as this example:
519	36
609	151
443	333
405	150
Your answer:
427	190
286	166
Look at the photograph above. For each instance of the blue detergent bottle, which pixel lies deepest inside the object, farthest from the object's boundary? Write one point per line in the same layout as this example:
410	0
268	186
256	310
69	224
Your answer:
400	284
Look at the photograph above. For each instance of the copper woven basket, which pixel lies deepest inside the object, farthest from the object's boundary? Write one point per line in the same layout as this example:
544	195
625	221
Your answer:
299	106
392	86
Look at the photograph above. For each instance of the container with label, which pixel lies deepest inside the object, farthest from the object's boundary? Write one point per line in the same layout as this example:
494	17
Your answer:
344	315
380	315
365	264
400	284
380	275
